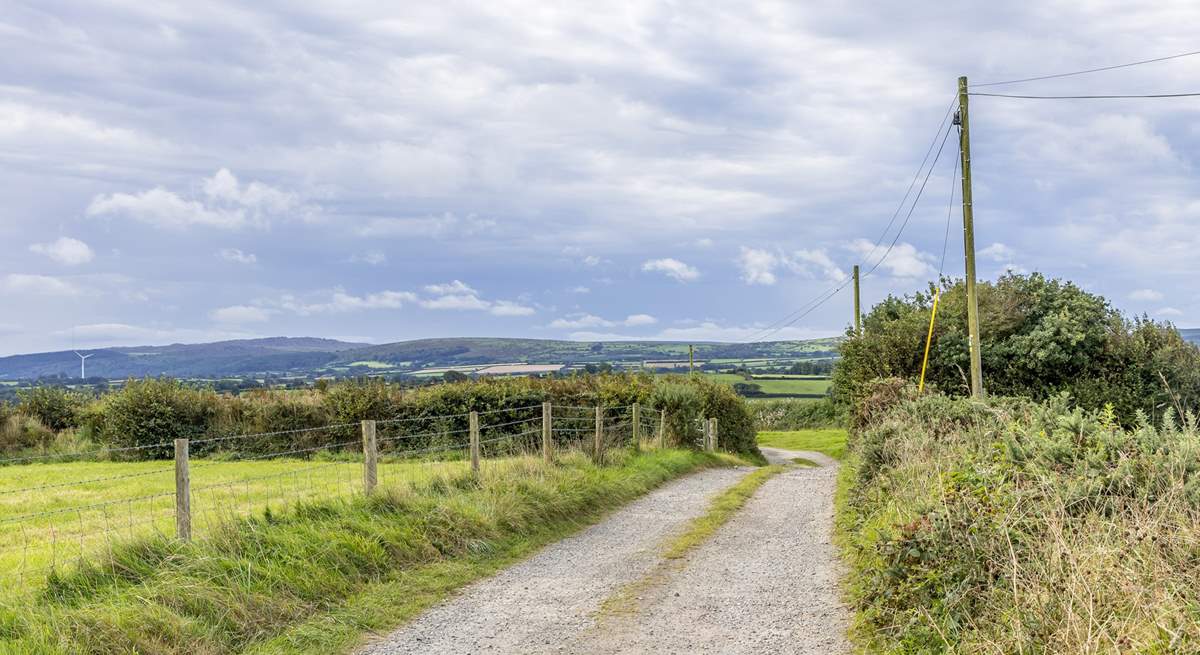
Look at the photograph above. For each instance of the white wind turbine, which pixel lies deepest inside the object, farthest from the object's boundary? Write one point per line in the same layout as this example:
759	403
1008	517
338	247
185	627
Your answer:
83	364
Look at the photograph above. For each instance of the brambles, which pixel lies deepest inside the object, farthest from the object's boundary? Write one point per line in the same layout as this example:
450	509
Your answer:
1017	526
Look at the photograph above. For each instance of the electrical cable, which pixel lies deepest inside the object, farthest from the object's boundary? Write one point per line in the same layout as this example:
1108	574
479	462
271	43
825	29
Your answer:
1090	70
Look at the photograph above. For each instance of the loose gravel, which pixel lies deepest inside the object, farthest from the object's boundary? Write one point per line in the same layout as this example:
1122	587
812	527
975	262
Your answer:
767	582
545	603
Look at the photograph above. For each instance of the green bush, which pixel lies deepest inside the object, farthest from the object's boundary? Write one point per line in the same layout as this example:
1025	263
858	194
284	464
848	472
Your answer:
1017	526
797	414
57	408
1040	337
154	412
150	414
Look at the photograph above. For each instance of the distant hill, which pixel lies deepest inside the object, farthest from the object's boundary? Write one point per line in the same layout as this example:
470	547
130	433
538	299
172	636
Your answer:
466	351
304	356
221	358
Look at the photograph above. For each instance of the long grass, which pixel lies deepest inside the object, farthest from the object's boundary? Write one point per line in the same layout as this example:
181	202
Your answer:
313	576
1009	526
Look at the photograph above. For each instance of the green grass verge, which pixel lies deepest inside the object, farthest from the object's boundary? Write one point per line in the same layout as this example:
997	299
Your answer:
830	441
625	601
314	578
722	508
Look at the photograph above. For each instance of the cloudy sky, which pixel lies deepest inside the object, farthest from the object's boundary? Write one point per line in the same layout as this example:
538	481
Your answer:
383	171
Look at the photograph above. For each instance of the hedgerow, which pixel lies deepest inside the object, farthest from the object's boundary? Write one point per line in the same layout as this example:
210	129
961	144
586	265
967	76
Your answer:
1019	526
150	413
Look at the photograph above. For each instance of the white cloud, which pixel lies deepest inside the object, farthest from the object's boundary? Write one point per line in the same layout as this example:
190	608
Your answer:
591	260
456	301
703	243
237	256
634	320
1146	295
37	285
341	302
585	320
448	288
226	204
238	314
903	261
580	290
1169	311
576	321
510	308
998	252
758	266
65	250
672	268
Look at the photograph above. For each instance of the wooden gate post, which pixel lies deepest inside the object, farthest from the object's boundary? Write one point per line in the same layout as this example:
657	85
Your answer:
183	491
370	458
599	447
637	427
547	431
662	429
474	418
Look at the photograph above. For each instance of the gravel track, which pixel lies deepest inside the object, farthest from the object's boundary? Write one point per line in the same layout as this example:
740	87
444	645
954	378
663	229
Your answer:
546	602
767	581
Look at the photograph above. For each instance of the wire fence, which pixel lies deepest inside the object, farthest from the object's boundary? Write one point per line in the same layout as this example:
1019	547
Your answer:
57	512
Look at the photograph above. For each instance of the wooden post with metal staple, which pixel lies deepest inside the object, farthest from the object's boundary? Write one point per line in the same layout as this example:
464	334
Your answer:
712	434
183	491
637	426
547	431
662	428
370	458
599	446
474	425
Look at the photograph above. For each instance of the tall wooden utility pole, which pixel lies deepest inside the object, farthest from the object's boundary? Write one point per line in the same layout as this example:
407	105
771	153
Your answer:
964	147
857	311
691	359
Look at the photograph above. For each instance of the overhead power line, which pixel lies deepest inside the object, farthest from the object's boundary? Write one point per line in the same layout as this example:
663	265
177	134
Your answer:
1089	97
820	298
1090	70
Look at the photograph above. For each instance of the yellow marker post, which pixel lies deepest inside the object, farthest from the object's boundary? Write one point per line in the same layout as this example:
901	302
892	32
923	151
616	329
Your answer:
928	340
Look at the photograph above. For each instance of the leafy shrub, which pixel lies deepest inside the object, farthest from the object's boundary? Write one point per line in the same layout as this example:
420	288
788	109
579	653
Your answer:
1040	337
797	414
57	408
1016	526
154	412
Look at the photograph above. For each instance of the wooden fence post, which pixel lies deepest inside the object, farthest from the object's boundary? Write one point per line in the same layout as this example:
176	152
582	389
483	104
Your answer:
713	432
599	447
547	425
637	427
475	442
370	458
183	491
662	429
706	427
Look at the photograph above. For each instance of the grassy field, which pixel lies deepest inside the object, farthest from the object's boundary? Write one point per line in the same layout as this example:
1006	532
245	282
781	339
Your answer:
799	385
831	441
49	520
314	578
